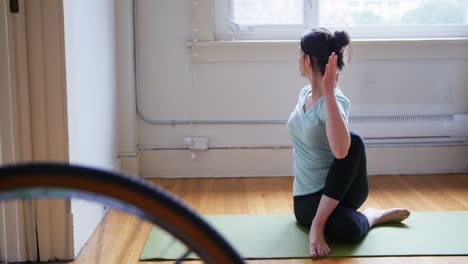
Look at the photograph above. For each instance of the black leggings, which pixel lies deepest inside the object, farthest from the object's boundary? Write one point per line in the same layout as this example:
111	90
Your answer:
346	182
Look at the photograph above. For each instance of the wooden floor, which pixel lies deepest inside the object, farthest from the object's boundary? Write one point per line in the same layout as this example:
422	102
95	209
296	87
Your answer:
120	237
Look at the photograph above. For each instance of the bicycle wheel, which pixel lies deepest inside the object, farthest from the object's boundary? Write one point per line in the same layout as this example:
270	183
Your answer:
136	196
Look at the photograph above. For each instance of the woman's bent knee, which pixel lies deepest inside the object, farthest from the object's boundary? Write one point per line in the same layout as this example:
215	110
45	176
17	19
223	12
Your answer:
346	227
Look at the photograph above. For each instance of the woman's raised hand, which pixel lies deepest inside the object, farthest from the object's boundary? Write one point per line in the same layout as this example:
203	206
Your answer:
331	75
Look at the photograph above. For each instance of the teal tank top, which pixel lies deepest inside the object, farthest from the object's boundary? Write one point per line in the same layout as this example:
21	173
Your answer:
311	150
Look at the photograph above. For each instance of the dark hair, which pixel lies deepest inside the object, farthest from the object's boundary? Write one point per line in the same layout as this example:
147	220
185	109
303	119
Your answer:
319	44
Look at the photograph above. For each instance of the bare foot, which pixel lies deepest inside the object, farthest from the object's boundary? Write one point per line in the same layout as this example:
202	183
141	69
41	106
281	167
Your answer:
393	215
318	246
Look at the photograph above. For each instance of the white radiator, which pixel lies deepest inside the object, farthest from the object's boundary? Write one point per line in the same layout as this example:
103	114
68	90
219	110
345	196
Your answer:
404	130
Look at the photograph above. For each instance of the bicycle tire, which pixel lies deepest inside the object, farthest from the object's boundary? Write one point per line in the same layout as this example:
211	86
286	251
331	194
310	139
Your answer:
130	194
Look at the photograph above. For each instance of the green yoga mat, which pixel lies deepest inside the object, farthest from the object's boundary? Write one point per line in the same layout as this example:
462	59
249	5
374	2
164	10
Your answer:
278	236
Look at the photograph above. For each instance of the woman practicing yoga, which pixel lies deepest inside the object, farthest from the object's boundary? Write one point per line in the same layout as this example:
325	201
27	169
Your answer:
330	175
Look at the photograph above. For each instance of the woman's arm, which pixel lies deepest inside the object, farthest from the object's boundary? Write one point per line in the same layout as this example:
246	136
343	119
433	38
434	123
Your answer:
337	131
339	139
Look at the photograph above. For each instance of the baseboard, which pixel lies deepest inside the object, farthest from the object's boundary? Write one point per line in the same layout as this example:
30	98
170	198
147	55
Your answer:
278	162
423	160
215	163
117	166
130	165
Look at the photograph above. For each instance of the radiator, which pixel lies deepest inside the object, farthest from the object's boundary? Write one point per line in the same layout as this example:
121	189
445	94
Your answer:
416	130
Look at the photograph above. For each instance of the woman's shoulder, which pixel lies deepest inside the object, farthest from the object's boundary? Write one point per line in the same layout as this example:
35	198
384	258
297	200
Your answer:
343	102
341	97
339	92
305	90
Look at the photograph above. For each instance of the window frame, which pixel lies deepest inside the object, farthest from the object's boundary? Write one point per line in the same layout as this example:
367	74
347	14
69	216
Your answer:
205	48
223	31
223	12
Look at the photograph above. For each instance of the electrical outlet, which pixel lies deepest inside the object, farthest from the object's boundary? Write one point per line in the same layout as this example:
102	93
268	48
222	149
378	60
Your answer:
197	143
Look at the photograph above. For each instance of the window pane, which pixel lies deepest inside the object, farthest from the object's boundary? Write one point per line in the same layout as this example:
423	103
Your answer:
393	12
267	12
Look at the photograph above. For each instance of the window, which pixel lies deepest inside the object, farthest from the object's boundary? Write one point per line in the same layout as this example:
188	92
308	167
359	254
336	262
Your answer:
267	12
260	19
287	19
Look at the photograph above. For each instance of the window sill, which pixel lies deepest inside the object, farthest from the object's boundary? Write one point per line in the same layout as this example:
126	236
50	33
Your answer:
362	49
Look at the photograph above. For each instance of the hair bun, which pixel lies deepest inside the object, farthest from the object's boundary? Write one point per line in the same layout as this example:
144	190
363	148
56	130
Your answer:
341	39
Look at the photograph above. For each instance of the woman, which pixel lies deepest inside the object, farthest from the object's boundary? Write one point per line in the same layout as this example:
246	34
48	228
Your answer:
330	176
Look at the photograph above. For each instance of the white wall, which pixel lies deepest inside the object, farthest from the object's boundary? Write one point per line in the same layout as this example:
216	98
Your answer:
92	98
172	88
128	136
